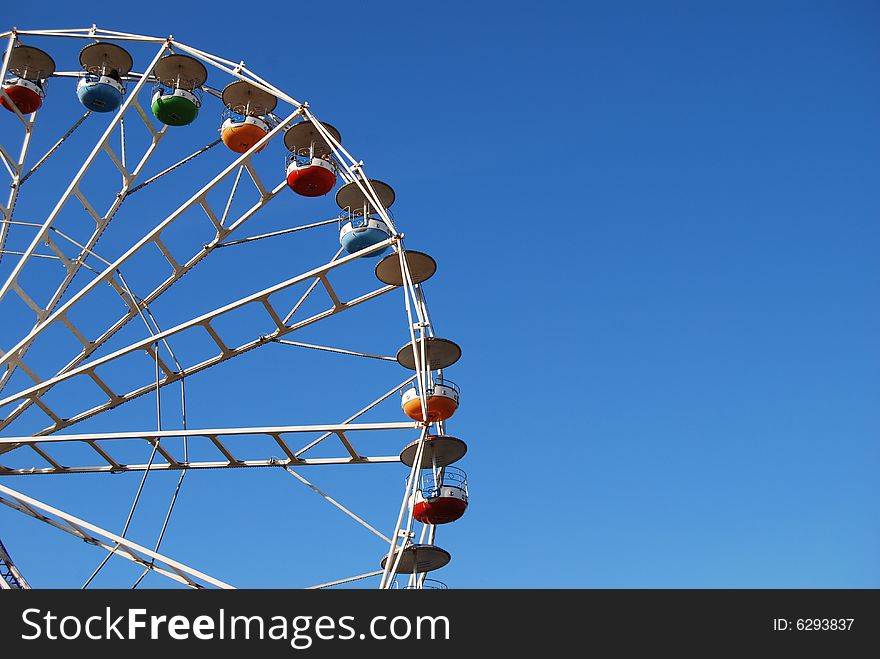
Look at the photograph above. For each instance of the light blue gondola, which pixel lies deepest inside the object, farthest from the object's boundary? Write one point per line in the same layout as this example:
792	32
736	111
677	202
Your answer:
360	225
358	233
101	89
99	93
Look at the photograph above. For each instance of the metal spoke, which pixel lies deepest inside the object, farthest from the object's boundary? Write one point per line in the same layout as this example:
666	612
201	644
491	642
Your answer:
43	446
32	394
95	535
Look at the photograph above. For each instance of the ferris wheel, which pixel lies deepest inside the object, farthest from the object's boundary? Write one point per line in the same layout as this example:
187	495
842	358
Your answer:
131	160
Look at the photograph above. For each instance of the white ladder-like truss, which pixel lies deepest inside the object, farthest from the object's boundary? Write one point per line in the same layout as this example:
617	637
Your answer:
279	320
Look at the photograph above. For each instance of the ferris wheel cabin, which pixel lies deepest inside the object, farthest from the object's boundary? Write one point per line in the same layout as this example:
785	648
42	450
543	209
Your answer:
100	87
25	89
441	497
243	123
361	225
442	493
442	401
176	95
311	171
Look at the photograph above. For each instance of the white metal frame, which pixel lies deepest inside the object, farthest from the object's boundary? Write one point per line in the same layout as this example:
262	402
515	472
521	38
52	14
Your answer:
293	458
281	322
95	535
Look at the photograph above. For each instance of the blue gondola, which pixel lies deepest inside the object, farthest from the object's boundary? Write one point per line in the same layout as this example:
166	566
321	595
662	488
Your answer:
101	87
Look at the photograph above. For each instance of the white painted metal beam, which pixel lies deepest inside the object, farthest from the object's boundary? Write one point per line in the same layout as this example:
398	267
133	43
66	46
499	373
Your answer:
32	394
95	535
42	446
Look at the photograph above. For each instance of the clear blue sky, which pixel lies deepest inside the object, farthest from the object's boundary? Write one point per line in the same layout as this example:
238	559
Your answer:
656	226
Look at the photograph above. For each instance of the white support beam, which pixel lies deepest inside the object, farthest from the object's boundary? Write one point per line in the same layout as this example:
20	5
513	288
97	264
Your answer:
104	445
348	422
6	442
33	394
338	582
73	187
101	224
198	464
338	505
112	542
24	344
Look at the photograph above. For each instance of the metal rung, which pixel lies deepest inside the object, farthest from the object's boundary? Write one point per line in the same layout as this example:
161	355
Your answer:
46	409
74	529
126	176
104	455
221	230
36	308
274	314
89	208
104	386
73	330
169	373
27	371
48	458
52	245
147	121
336	301
216	337
232	459
167	254
123	293
347	444
155	441
256	180
134	557
11	165
185	577
284	447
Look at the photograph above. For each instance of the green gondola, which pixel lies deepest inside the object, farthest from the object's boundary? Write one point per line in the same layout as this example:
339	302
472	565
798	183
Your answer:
176	96
179	108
